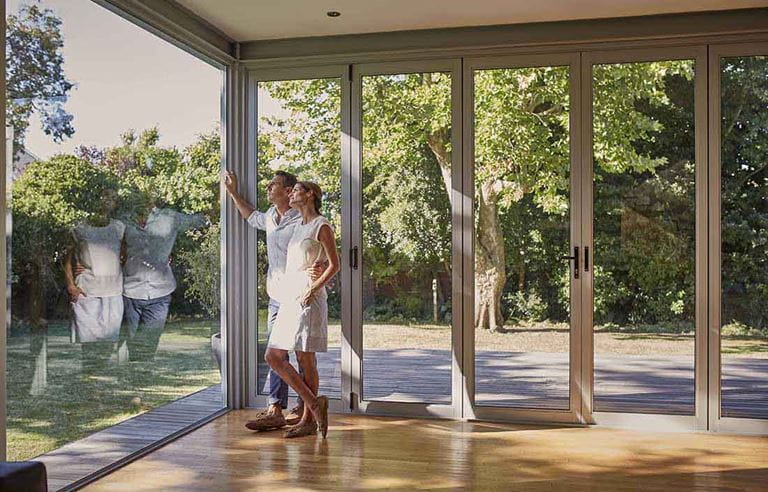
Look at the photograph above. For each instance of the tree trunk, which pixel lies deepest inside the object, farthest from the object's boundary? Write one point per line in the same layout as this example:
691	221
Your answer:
438	144
490	264
490	259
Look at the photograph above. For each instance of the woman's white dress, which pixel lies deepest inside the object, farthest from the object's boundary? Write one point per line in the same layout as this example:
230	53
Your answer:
302	328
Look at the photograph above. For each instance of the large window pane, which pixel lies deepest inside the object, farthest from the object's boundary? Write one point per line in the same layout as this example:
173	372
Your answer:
114	275
300	132
406	254
644	237
744	236
522	229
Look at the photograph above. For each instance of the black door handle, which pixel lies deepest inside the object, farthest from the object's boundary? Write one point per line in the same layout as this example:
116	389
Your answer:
575	259
353	258
586	258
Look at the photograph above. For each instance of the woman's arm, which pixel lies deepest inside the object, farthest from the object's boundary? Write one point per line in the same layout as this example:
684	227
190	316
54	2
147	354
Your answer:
73	290
327	239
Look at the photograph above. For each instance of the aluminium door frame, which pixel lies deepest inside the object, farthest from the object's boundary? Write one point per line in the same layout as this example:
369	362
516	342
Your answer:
358	403
697	421
717	422
472	411
250	185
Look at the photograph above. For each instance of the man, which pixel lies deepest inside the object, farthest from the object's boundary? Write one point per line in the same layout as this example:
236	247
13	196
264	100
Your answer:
278	222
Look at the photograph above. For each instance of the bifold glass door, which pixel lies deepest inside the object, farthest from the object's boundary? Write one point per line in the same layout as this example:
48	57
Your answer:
570	237
739	272
526	257
404	156
299	128
647	176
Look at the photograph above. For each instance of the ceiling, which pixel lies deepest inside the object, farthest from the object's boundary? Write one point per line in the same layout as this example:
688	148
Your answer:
250	20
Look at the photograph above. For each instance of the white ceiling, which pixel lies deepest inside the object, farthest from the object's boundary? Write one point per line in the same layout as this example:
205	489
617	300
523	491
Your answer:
247	20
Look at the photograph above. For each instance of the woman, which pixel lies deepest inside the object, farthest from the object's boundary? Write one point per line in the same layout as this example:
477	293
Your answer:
302	322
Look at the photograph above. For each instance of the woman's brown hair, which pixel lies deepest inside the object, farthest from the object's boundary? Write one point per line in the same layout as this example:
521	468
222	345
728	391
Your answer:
316	191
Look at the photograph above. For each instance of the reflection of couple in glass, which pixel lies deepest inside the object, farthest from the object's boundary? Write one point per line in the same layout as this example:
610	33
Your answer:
118	273
301	249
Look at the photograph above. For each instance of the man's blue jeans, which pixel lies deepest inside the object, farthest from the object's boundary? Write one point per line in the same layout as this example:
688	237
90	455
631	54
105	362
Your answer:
274	386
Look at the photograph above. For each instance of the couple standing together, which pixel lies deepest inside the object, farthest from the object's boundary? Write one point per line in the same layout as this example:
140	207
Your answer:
301	250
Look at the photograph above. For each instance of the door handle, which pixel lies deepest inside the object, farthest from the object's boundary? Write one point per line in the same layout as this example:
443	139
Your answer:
575	259
586	258
353	258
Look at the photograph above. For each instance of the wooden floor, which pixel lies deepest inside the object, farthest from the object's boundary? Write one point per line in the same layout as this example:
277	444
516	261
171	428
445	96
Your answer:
623	383
78	459
367	453
532	380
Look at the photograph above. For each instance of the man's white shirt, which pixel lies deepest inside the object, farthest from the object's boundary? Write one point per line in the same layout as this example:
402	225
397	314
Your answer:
278	237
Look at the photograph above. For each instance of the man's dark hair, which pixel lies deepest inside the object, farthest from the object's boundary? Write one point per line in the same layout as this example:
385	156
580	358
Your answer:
289	180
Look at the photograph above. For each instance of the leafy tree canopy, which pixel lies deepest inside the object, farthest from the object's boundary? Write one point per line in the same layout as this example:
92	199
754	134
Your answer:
35	78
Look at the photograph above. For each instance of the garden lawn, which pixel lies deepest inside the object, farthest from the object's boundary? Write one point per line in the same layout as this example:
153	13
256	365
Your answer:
73	404
547	337
544	336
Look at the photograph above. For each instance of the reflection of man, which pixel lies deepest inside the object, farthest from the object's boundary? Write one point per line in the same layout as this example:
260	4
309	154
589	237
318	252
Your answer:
278	222
148	281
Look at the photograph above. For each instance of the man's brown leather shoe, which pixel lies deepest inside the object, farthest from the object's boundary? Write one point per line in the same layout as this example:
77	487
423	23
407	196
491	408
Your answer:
266	422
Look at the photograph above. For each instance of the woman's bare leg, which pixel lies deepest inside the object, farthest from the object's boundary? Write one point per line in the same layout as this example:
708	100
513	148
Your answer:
280	364
308	364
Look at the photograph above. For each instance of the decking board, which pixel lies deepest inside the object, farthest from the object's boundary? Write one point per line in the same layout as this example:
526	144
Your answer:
81	458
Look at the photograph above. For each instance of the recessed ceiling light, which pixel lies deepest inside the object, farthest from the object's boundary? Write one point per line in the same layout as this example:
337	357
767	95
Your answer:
333	13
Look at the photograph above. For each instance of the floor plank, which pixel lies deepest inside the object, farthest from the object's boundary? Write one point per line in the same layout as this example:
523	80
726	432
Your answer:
370	453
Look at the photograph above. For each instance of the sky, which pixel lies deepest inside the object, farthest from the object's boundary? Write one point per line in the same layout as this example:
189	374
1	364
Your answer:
126	77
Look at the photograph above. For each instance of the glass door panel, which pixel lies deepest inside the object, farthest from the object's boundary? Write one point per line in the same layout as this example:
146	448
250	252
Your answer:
644	237
406	231
299	131
522	224
744	237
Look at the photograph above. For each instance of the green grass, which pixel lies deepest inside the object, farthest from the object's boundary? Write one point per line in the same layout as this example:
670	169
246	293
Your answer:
77	401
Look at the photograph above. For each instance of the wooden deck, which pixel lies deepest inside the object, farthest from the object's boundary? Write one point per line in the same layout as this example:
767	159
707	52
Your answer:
623	383
71	462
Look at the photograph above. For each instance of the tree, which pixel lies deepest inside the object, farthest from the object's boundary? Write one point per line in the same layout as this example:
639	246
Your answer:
54	195
186	180
308	143
203	269
521	151
522	163
744	188
48	200
35	79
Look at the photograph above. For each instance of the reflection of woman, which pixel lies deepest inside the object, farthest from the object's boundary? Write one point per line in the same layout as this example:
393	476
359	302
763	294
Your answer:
302	322
96	294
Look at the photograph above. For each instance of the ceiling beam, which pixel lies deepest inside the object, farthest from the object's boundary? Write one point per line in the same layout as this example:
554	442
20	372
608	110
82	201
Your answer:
542	33
176	24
